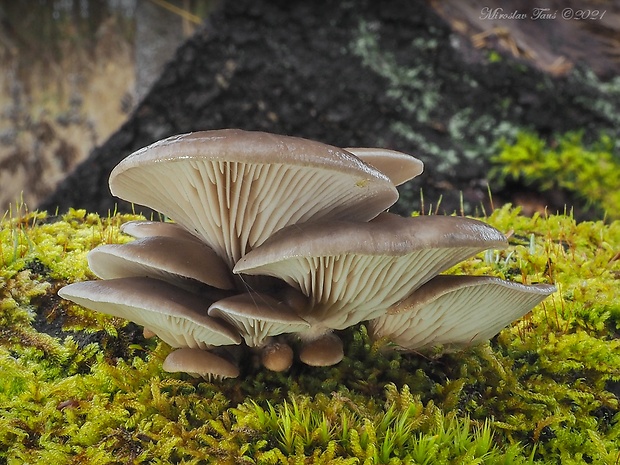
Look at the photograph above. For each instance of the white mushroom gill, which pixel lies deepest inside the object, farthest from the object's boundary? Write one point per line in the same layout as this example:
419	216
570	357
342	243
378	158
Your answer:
305	221
235	188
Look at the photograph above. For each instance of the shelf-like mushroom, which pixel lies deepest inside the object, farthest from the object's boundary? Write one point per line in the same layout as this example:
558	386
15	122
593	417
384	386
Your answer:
173	259
235	188
140	229
178	317
455	311
257	317
200	364
354	271
397	166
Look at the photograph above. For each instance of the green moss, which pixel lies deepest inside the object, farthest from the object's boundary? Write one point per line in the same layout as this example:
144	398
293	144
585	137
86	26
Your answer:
592	172
79	387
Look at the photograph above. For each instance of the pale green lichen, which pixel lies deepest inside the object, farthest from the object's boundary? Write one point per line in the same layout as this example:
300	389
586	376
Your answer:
93	391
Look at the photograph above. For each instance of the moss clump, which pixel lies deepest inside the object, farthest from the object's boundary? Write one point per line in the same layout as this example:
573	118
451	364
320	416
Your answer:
592	172
80	387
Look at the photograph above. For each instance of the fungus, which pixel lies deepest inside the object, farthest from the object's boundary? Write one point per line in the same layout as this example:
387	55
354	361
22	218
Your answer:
257	317
456	311
178	317
200	364
174	259
306	222
233	189
323	351
140	229
397	166
277	356
353	271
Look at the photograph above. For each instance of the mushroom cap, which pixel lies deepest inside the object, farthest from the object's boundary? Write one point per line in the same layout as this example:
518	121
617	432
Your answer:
397	166
234	188
355	271
325	351
199	364
173	259
277	356
140	229
257	317
456	311
178	317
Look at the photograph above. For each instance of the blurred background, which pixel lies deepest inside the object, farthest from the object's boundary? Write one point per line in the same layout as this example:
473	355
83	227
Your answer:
70	73
73	71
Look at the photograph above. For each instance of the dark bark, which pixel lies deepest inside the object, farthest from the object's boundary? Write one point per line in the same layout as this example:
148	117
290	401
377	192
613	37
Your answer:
362	73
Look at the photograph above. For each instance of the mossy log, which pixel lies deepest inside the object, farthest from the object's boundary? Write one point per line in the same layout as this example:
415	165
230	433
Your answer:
81	387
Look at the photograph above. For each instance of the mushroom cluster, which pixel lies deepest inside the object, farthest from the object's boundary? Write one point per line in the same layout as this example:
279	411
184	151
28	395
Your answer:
280	242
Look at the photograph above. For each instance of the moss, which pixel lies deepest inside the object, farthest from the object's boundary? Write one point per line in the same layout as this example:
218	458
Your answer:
592	172
79	387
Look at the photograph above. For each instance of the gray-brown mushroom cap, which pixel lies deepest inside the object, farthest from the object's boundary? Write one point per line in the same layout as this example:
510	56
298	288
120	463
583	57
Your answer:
199	364
355	271
144	228
257	316
277	356
397	166
171	259
176	316
325	351
235	188
456	311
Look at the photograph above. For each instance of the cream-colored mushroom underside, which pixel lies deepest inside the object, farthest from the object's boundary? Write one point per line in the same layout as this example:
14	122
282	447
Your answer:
234	206
465	316
347	289
174	330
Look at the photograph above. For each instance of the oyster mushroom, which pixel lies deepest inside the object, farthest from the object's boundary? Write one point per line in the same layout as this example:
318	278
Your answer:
200	364
257	317
140	229
178	317
277	356
304	221
323	351
353	271
174	259
456	311
234	188
397	166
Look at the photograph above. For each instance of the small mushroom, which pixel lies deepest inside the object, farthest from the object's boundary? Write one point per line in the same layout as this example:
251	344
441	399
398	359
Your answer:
257	317
456	311
277	356
173	259
234	188
397	166
176	316
354	271
199	364
324	351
